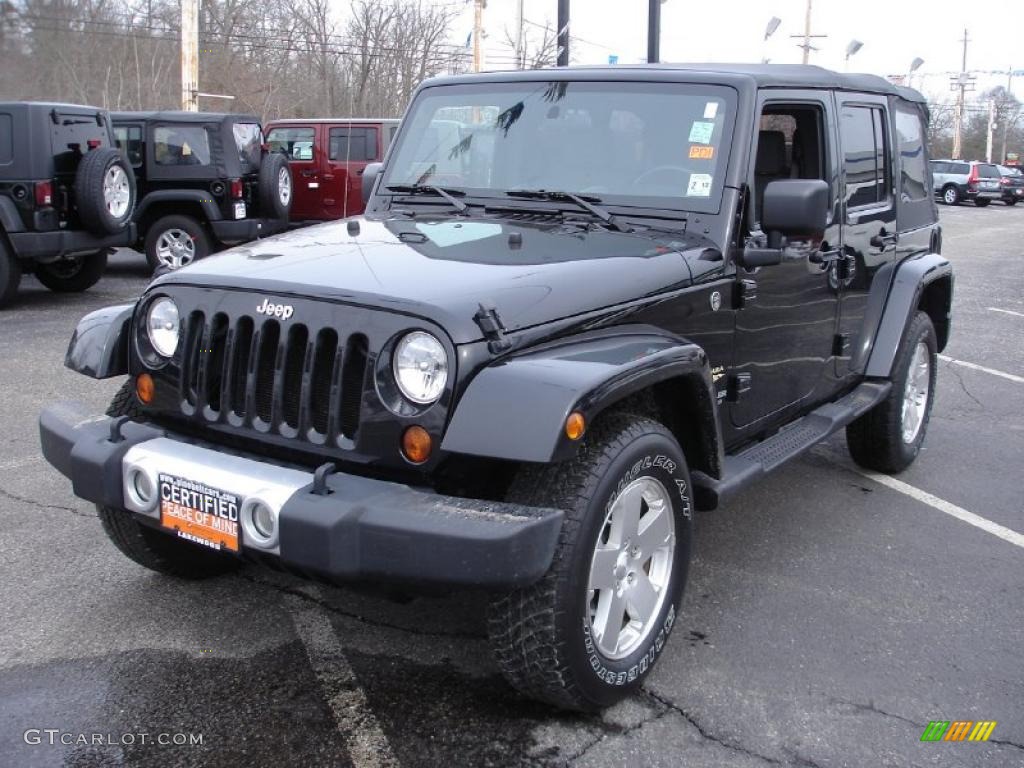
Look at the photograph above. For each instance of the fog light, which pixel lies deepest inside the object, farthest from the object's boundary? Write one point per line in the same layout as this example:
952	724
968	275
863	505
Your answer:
140	487
259	523
263	520
416	444
575	426
145	388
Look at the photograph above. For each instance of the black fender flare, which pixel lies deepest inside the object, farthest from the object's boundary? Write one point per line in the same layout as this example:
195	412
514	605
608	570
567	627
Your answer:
10	220
516	408
203	199
895	295
99	345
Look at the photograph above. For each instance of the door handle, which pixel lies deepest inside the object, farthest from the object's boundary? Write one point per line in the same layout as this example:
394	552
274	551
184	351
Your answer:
309	174
883	239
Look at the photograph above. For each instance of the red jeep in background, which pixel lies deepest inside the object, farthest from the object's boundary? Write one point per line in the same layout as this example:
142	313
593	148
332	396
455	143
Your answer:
327	159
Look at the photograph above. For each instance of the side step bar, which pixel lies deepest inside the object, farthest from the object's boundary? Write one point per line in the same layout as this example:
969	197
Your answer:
755	461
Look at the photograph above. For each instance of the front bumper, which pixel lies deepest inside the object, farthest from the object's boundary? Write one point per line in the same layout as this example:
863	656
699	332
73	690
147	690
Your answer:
363	528
44	246
243	230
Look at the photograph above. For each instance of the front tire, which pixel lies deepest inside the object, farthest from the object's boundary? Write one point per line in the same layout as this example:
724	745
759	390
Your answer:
888	437
147	546
74	274
10	275
981	202
589	632
174	242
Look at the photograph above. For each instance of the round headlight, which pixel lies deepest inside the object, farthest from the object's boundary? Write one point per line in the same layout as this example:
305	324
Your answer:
163	326
421	367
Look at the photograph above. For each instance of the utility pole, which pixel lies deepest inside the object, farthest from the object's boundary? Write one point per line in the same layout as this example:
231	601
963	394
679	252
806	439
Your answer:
961	86
478	28
806	44
653	31
520	53
190	55
1006	117
991	129
563	33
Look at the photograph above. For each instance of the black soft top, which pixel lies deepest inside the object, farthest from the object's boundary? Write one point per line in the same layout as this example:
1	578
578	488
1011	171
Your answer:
757	75
175	116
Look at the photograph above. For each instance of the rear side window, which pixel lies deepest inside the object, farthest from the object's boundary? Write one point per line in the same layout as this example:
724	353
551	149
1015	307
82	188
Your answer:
865	156
6	139
181	145
249	141
938	167
986	171
961	168
910	137
355	143
129	141
296	143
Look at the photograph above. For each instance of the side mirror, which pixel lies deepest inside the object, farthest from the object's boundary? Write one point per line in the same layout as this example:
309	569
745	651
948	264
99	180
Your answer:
370	174
795	208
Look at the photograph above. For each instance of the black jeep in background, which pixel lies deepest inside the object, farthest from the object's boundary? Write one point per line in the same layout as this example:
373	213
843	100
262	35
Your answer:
66	196
205	180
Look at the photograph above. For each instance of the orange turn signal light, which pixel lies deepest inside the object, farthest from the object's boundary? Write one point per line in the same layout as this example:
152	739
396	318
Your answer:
145	388
416	444
575	425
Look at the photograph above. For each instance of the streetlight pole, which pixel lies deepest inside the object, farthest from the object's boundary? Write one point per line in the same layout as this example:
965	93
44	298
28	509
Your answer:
653	31
563	33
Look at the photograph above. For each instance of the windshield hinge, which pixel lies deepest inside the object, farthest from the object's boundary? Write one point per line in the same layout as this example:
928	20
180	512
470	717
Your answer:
492	327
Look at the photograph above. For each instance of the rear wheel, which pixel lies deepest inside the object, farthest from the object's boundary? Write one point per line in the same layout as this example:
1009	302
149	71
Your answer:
147	546
981	202
950	194
73	274
1010	200
889	436
589	632
10	275
174	242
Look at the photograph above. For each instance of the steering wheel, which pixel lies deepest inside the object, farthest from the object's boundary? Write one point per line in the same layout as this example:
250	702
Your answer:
643	177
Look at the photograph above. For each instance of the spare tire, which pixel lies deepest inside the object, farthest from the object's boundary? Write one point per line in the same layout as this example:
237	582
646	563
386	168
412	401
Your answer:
275	186
105	191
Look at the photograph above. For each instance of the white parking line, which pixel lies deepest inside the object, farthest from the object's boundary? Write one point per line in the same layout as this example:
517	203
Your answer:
974	366
950	509
1005	311
367	745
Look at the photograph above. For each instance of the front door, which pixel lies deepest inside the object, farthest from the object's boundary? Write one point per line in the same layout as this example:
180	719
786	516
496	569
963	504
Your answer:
784	335
350	149
300	145
870	236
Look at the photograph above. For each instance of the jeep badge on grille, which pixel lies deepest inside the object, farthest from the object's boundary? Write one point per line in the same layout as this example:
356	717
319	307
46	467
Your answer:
269	308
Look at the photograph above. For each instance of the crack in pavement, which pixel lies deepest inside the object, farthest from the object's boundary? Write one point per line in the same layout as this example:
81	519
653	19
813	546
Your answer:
33	503
715	739
351	615
953	369
610	729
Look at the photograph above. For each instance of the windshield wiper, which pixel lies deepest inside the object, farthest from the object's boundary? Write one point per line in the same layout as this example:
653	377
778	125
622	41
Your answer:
431	189
584	202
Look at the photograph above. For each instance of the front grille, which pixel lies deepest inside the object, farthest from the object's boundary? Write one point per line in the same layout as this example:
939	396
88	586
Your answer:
294	380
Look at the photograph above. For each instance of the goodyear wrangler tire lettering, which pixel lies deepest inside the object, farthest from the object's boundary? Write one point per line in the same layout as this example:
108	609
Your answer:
554	640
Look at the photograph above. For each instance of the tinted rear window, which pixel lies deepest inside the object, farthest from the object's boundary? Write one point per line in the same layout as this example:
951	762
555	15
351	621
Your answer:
988	171
6	139
355	144
181	145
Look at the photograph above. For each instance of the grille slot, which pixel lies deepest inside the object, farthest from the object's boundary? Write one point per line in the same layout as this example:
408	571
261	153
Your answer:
299	382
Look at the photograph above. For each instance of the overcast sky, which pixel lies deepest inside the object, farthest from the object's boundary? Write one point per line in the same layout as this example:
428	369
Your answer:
893	33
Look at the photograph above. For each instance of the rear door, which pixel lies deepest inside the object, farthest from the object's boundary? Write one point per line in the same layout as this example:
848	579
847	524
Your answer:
869	212
300	144
350	148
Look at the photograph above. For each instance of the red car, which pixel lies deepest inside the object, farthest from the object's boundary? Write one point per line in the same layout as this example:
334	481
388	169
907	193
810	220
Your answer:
327	158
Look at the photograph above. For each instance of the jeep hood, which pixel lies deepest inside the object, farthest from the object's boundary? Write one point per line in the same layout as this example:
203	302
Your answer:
442	268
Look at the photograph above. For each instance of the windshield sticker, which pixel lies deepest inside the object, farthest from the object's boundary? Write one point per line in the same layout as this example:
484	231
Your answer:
710	110
456	233
702	152
700	185
700	132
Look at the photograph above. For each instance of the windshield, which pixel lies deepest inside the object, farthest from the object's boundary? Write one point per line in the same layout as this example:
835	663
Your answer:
658	145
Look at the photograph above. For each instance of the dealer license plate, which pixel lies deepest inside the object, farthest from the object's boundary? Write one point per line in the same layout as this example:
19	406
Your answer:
199	513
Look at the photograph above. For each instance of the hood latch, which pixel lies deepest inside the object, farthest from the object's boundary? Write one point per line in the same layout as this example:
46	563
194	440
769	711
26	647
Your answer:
490	324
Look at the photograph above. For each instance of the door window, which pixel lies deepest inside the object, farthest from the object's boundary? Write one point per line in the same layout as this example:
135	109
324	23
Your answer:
129	141
181	145
296	143
354	143
866	156
6	140
790	145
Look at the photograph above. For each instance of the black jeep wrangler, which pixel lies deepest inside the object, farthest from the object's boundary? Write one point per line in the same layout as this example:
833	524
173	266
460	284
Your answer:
66	196
205	180
636	291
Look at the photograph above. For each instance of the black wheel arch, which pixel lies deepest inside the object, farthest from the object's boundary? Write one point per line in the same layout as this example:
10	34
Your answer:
181	202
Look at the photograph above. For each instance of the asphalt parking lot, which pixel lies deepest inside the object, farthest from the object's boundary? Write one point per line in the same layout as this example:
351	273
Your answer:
829	617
